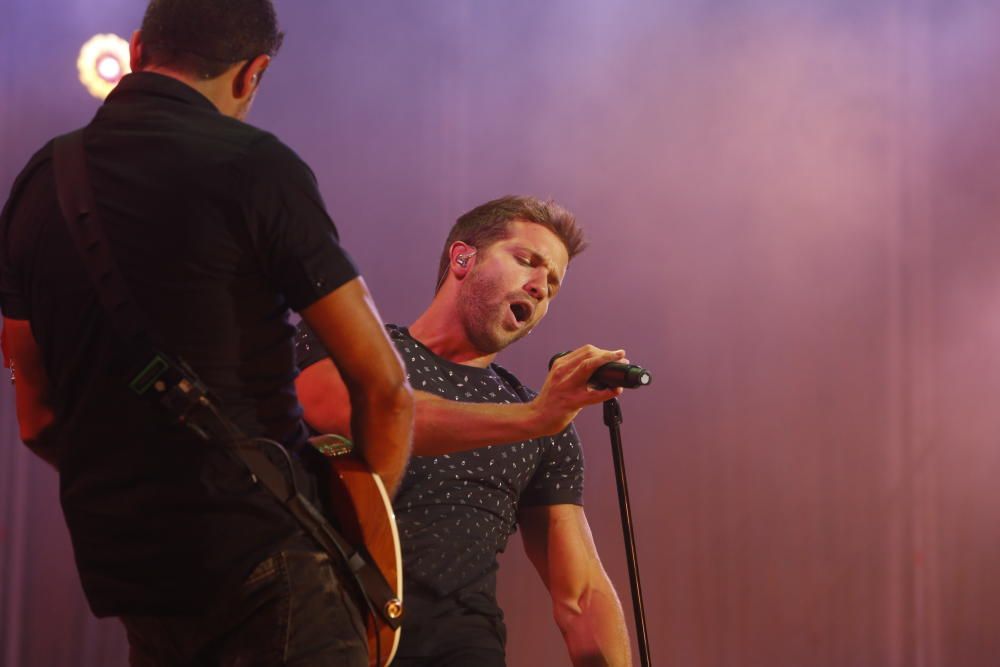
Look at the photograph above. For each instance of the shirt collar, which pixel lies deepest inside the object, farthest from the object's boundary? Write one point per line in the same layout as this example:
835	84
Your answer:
151	83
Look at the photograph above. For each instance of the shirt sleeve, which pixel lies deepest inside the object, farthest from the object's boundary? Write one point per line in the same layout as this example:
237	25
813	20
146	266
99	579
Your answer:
31	200
308	348
559	477
293	234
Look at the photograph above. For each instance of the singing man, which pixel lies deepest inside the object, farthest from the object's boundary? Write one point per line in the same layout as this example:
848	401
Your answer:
489	454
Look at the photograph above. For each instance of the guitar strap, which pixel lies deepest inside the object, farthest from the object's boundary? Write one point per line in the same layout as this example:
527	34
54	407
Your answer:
168	381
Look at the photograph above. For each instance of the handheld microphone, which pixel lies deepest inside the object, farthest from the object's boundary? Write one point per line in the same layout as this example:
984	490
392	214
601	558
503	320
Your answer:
615	374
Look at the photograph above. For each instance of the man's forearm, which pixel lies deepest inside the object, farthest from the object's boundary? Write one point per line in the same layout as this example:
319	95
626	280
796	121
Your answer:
595	632
440	426
558	542
32	389
443	426
449	426
382	425
370	375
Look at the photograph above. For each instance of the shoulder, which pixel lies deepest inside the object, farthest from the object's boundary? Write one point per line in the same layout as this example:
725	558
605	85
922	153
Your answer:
278	178
400	336
397	332
37	170
41	161
525	393
403	341
272	157
41	157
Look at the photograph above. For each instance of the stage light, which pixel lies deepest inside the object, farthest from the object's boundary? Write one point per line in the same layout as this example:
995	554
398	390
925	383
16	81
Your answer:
109	68
103	61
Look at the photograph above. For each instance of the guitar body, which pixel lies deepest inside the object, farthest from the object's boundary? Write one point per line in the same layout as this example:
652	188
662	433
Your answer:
363	511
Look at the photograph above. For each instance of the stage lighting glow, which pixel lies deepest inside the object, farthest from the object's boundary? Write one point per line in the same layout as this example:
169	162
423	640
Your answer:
109	68
103	61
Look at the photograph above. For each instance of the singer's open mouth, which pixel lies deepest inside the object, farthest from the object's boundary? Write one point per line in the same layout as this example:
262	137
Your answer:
522	311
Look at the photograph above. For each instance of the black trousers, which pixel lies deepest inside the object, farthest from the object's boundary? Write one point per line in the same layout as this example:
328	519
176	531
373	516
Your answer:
292	610
461	631
467	657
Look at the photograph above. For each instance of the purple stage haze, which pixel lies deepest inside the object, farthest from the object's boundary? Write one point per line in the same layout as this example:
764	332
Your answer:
793	216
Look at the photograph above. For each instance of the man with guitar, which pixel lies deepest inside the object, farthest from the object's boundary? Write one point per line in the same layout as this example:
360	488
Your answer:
216	230
489	454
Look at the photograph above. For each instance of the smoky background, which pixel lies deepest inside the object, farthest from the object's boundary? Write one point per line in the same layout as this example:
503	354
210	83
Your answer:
792	210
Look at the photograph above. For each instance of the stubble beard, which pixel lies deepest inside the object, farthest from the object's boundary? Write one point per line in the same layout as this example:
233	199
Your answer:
481	311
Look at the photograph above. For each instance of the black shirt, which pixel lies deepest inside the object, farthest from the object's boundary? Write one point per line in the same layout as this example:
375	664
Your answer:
219	230
456	512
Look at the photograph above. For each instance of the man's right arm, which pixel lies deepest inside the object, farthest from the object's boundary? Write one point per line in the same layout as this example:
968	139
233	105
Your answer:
31	391
371	376
443	426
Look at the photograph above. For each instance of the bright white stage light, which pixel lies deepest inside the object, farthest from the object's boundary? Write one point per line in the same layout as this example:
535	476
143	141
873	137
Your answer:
109	68
103	61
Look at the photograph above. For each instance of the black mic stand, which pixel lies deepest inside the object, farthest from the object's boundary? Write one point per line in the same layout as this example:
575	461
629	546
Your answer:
613	420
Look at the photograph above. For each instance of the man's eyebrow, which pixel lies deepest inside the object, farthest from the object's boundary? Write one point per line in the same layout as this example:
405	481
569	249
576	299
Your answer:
543	260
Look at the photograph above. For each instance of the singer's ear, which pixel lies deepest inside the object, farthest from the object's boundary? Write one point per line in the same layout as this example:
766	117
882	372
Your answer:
463	256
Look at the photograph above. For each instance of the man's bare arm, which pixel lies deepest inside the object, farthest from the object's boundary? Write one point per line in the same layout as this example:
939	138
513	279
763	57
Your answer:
586	608
372	376
31	391
444	426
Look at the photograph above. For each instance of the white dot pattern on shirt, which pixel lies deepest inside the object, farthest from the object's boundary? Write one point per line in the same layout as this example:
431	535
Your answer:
456	512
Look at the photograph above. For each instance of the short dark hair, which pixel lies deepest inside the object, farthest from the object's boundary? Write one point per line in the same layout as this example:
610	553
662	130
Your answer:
204	38
487	223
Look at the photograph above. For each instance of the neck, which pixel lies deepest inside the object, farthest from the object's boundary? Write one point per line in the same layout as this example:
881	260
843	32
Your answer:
439	330
215	90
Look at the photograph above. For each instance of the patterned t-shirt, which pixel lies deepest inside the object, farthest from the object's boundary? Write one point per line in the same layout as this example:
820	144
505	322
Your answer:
456	512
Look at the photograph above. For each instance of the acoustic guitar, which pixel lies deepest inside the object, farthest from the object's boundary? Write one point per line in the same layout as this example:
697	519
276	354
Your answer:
364	516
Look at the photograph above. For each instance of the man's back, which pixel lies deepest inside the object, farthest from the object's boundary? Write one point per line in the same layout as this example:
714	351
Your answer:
218	229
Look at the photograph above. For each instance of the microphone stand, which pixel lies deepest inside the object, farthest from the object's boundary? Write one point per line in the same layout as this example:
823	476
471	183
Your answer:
613	420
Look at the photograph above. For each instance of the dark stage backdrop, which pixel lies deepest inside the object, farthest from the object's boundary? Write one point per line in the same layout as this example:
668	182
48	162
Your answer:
793	211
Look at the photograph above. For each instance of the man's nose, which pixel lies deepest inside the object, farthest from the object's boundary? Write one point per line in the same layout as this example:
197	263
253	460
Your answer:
536	286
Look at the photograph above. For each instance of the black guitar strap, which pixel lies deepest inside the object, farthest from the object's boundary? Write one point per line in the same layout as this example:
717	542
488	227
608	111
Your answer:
169	382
